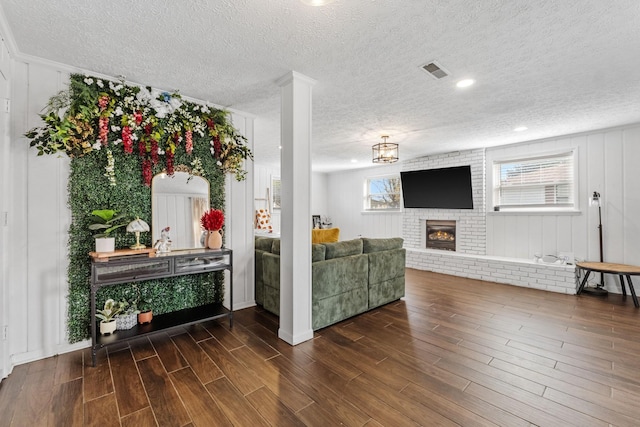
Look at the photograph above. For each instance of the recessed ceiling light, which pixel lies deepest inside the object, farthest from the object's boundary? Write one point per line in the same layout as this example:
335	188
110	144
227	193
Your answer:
520	129
465	83
354	160
316	2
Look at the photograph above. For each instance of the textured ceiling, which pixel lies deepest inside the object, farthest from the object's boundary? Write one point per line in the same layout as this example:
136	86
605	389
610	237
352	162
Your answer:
557	67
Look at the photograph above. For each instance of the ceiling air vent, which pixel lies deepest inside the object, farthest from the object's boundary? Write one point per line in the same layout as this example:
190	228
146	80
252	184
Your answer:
435	70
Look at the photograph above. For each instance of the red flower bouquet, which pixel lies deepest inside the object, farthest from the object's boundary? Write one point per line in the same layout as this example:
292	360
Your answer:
212	220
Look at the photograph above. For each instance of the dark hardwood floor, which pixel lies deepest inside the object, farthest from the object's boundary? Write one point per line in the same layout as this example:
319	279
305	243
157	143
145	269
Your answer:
452	352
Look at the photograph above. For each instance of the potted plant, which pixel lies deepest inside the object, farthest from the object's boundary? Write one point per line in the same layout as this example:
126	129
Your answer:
128	318
105	221
107	315
146	313
212	221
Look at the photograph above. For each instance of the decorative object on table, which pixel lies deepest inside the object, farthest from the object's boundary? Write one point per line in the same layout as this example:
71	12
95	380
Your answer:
106	221
163	244
128	318
146	313
315	222
385	152
263	220
137	226
212	221
599	290
326	222
107	315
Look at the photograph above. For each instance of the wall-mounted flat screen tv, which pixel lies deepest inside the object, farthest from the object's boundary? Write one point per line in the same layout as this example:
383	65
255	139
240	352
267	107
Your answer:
445	188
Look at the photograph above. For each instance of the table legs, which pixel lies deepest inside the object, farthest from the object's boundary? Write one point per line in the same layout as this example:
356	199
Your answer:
633	291
584	281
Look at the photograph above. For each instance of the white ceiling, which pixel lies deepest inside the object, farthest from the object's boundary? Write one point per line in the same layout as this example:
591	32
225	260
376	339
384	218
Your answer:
555	66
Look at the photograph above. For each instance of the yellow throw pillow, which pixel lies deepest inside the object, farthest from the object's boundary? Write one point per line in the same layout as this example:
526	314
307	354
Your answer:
325	235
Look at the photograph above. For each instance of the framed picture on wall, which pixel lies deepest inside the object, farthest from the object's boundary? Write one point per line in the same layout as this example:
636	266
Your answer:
275	193
315	221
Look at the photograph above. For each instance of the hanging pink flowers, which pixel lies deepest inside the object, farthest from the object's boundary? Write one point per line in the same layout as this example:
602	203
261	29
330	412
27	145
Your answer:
127	141
146	172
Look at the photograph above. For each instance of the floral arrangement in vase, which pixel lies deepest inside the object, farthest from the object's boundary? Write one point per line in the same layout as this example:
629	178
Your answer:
212	221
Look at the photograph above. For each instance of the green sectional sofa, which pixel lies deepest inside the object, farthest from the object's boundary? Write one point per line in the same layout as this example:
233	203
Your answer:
348	277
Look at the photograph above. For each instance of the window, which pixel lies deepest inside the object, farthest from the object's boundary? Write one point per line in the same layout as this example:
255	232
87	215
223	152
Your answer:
535	182
382	193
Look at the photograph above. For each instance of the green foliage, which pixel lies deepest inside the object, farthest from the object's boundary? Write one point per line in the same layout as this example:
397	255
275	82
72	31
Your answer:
89	190
111	309
107	220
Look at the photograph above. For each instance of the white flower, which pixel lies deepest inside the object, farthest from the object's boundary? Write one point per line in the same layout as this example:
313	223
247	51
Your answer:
88	80
134	137
99	83
117	141
97	145
118	111
160	151
219	163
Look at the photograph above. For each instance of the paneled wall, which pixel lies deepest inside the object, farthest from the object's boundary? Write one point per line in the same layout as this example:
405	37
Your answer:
346	201
608	163
319	193
6	73
262	189
34	270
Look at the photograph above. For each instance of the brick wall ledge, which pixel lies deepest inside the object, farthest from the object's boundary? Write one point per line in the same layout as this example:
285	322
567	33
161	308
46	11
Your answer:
513	271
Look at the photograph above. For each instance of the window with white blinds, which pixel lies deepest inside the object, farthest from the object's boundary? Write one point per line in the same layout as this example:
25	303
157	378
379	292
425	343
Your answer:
536	182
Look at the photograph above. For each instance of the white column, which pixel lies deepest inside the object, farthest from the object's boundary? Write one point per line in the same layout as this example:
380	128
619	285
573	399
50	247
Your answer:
295	233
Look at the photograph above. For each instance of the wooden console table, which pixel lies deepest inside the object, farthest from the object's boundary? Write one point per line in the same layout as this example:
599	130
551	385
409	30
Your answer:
622	270
136	268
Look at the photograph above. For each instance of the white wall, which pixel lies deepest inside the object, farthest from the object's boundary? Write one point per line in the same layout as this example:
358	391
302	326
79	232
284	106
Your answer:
346	201
36	266
319	193
608	163
6	73
262	182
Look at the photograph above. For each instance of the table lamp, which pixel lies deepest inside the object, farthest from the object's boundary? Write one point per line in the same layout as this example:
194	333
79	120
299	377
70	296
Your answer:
137	226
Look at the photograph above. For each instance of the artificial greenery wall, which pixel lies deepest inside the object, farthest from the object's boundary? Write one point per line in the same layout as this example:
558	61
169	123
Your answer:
105	175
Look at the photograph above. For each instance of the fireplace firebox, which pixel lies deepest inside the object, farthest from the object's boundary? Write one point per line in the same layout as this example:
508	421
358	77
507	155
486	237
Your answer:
441	235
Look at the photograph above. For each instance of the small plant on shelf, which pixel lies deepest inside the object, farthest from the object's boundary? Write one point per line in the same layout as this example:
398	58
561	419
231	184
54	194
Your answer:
107	315
128	318
105	221
146	313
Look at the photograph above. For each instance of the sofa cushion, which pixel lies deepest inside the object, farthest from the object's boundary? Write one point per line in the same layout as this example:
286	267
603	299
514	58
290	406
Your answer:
275	248
325	235
377	245
342	249
264	243
318	253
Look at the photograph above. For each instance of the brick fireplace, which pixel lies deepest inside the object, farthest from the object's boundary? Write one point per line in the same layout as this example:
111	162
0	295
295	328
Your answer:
441	234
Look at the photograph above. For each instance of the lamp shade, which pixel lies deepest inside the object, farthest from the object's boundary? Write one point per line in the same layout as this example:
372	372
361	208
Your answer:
137	225
385	152
595	200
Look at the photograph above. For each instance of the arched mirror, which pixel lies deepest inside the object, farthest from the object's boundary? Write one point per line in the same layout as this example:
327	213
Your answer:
178	202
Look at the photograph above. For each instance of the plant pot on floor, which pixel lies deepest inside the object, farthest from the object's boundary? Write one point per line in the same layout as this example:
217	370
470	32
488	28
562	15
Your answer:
107	327
145	317
106	244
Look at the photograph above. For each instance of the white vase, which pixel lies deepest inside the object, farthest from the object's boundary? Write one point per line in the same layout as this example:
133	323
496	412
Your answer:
106	244
107	328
